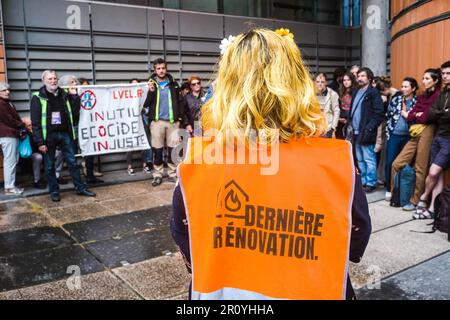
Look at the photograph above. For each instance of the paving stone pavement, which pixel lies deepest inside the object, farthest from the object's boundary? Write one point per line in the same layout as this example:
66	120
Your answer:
118	246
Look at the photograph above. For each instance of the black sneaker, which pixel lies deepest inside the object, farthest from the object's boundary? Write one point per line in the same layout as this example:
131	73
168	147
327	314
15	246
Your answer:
55	197
156	181
86	193
40	185
60	180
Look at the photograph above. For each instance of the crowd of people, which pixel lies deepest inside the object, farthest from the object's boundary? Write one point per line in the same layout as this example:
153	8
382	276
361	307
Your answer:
392	128
261	84
52	129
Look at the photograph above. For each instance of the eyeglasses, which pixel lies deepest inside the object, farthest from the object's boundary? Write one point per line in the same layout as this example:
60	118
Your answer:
195	83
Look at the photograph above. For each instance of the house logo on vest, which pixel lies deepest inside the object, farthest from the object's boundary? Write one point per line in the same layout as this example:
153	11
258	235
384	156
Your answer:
234	197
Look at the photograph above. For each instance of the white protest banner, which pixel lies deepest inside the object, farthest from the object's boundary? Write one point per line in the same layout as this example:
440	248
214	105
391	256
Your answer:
110	119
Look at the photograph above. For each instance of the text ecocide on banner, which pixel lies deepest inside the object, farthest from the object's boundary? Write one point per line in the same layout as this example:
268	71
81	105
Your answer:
110	119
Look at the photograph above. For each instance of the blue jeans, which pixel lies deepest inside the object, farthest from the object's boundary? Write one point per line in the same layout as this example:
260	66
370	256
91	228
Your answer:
394	146
65	143
367	164
89	166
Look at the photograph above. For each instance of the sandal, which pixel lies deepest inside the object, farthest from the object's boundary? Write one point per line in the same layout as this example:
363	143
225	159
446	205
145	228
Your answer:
423	214
421	207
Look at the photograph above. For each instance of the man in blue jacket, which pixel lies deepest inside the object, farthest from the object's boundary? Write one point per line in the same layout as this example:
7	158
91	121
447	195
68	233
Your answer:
365	115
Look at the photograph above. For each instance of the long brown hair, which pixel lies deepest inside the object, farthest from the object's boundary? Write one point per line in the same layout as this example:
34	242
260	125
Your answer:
343	90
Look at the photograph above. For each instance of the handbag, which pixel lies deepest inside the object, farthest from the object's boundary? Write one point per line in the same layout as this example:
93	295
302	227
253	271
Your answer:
25	150
416	129
348	132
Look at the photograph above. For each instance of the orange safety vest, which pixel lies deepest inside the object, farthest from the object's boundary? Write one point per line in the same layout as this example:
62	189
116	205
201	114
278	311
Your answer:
281	236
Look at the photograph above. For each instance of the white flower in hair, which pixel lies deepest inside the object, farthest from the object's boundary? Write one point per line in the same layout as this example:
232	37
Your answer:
225	43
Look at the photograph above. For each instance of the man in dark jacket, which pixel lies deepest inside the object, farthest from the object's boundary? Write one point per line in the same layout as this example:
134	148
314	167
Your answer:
440	149
365	115
53	115
167	112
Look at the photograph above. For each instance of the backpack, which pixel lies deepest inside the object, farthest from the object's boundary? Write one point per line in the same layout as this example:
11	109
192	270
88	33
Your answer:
404	184
442	209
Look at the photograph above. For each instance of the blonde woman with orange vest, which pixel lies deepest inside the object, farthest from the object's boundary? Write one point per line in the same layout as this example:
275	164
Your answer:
280	226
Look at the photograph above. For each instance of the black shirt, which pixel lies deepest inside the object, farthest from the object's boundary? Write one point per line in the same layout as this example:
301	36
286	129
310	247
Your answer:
57	117
440	114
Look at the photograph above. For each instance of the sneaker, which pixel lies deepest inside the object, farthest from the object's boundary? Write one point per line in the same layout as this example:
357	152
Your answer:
156	181
130	171
98	174
388	196
86	193
55	197
409	207
14	191
40	185
147	170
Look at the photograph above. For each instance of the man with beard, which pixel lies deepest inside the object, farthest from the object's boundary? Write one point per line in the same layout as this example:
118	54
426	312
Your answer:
365	115
53	112
166	114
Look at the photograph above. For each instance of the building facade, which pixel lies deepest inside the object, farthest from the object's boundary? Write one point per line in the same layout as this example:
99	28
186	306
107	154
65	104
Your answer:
420	34
114	41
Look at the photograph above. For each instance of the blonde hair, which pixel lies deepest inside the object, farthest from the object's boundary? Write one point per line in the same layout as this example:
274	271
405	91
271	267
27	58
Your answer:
262	84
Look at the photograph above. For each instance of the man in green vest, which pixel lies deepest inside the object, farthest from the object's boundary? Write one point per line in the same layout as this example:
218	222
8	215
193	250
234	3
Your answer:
167	113
53	114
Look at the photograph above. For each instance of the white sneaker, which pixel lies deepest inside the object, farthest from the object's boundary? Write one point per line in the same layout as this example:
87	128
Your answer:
387	196
14	191
147	170
98	174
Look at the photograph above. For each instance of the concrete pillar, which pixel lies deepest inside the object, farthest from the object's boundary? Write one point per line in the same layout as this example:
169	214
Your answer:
375	35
